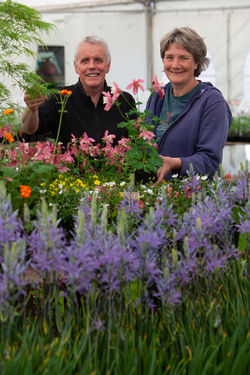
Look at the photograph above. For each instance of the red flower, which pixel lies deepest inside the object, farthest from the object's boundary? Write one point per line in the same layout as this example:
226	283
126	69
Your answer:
228	177
65	92
140	203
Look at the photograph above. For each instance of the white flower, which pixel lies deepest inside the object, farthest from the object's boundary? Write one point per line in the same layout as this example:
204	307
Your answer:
175	175
122	183
204	178
111	183
150	191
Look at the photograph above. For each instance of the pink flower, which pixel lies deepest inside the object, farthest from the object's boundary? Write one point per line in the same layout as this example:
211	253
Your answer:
108	138
136	85
146	134
95	150
157	87
85	143
9	178
108	100
137	123
124	141
115	91
74	147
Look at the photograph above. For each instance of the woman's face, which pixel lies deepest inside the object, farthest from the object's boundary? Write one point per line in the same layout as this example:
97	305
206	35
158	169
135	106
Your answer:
179	66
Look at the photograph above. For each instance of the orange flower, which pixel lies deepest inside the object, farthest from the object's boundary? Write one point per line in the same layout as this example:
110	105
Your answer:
228	177
8	136
65	92
25	191
7	111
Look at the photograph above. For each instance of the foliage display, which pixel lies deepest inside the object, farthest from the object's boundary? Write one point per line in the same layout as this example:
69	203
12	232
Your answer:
94	270
240	129
20	28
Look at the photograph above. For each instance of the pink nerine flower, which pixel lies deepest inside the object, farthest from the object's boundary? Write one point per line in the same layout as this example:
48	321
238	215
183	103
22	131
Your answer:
157	87
136	85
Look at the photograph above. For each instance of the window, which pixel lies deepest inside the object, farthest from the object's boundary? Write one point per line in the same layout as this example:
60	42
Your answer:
50	64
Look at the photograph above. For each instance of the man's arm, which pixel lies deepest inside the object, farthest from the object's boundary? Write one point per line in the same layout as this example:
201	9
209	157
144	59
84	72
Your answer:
30	118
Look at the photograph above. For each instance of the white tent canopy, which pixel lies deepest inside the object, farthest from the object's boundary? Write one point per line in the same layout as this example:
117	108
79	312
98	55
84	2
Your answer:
133	30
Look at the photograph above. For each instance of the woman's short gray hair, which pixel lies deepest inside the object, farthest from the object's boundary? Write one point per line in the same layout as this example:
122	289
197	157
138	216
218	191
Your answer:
93	39
192	42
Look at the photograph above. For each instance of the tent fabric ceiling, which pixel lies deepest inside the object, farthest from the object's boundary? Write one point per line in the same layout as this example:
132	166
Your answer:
134	28
71	5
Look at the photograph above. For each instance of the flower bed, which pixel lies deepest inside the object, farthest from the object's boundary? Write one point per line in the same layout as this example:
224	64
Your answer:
97	268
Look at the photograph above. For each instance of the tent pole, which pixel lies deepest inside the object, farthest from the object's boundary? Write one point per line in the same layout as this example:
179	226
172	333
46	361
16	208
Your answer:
229	82
149	43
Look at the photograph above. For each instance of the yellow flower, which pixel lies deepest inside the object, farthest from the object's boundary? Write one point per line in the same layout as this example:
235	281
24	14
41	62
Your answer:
97	182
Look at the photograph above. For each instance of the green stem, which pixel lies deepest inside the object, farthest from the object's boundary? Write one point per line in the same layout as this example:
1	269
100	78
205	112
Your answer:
63	103
123	116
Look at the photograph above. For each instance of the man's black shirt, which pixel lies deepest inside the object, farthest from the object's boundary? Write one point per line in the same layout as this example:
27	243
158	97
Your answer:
81	116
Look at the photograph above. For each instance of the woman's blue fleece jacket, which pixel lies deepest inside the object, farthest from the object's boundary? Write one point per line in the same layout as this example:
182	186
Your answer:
199	133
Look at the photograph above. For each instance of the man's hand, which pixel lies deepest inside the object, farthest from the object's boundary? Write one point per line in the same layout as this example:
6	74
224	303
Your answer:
168	164
30	117
33	104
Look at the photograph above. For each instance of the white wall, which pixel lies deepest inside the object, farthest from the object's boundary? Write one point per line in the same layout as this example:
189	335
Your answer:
125	37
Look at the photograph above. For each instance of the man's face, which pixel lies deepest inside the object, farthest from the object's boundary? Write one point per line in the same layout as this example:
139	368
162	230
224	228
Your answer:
91	65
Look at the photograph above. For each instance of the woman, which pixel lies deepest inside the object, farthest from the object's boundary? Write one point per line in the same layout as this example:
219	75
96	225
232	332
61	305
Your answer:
194	116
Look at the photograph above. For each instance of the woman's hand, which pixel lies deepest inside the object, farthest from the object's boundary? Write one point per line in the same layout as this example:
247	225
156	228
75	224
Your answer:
168	164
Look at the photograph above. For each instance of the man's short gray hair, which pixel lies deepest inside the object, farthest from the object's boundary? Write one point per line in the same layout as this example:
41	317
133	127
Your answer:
93	39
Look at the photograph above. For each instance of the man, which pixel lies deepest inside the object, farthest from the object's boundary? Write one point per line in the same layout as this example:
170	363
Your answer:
84	110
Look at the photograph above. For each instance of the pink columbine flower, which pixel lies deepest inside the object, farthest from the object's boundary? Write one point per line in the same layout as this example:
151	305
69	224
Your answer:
85	143
108	100
115	91
137	123
136	85
108	138
157	87
146	134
